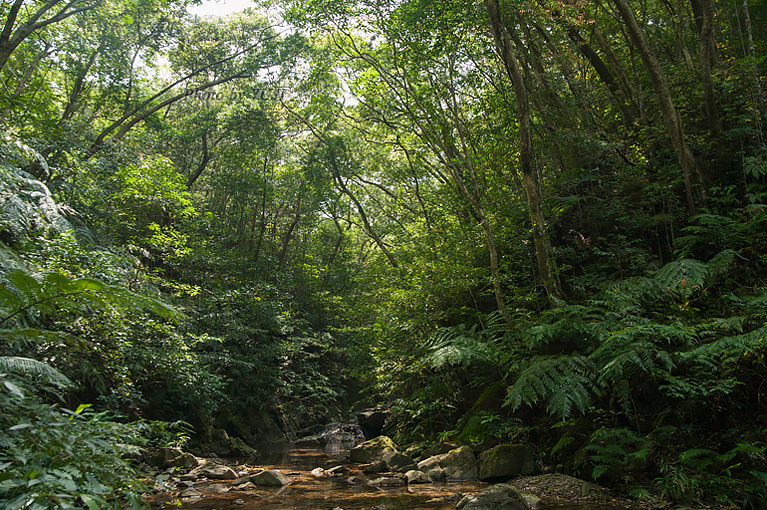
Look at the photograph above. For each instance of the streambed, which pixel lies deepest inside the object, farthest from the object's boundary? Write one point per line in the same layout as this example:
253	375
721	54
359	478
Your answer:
310	492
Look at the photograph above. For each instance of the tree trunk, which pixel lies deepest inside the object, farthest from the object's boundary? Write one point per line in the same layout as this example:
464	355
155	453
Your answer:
530	175
671	117
707	61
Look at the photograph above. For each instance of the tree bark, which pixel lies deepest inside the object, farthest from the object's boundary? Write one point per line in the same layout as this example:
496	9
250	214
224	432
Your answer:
529	173
671	117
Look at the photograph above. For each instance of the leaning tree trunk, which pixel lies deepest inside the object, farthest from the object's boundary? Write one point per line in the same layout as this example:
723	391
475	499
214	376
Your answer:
529	173
671	117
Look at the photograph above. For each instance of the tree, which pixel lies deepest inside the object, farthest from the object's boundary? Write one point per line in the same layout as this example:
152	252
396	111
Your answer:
41	14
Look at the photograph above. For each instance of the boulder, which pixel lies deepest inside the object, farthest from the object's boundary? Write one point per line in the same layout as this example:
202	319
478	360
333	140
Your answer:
415	476
436	449
457	464
269	478
398	462
212	470
505	461
498	497
387	481
163	457
372	421
372	450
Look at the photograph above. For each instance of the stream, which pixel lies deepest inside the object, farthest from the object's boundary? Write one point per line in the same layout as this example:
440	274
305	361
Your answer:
309	492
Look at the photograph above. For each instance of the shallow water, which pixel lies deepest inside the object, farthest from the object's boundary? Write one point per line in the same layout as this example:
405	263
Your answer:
307	492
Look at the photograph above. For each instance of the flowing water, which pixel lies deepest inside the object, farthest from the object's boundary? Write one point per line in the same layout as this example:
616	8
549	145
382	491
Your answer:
309	492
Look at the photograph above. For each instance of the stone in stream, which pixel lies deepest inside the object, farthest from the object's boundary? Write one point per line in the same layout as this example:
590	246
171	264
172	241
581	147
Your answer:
398	462
504	462
498	497
415	476
375	467
457	464
212	470
309	441
269	478
372	450
387	481
337	471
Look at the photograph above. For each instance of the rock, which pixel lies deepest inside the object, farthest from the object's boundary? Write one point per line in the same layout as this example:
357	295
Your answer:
217	488
231	447
375	467
398	462
372	450
387	481
318	472
457	464
532	501
372	421
185	460
498	497
191	493
337	471
355	480
212	470
269	478
163	457
415	476
437	449
505	461
311	441
247	486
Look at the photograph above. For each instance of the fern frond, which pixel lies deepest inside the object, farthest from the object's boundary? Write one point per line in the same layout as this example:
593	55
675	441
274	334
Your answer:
562	381
727	348
28	366
683	275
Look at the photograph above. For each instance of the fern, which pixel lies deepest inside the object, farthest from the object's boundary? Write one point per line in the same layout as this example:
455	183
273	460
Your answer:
29	367
712	354
562	381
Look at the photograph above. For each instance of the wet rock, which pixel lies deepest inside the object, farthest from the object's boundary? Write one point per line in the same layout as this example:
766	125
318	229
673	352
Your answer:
415	476
372	421
498	497
387	481
372	450
457	464
337	471
269	478
310	441
505	461
374	467
398	462
355	480
212	470
247	486
317	472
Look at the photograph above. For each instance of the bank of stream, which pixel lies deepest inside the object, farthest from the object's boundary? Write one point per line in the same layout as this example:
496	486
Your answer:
316	491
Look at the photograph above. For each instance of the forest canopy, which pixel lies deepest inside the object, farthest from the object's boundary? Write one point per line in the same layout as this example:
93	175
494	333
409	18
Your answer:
538	222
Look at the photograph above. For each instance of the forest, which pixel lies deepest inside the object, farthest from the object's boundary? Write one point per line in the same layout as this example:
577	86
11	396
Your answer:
538	222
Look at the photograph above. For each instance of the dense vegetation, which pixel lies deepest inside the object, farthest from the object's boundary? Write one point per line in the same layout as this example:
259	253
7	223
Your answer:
538	222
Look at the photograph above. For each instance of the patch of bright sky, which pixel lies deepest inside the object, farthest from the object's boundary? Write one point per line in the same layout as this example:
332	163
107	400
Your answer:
220	7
